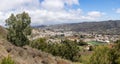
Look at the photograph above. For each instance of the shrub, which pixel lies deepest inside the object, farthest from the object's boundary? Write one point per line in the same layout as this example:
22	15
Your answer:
7	60
100	56
106	55
66	49
39	44
81	43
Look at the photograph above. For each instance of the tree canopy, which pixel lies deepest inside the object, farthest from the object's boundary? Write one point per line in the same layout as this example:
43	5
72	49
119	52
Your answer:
18	28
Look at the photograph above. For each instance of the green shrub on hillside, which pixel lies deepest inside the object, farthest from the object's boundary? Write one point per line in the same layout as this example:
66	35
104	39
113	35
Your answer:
82	43
70	49
66	49
106	54
39	44
100	56
7	60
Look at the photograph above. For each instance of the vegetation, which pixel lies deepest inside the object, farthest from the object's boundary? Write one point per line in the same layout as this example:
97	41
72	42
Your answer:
100	56
106	55
7	60
84	59
39	44
115	53
67	49
18	28
82	43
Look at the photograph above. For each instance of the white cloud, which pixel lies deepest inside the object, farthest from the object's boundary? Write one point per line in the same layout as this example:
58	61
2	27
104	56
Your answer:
58	4
118	10
51	17
47	11
95	14
6	5
52	4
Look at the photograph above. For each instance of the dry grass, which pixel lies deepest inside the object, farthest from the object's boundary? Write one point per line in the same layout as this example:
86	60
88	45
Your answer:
3	32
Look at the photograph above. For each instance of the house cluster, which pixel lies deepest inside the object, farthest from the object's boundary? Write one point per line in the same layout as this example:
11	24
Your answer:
37	33
53	36
102	38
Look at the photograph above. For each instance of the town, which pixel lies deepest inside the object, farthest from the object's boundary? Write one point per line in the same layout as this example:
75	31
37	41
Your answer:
56	35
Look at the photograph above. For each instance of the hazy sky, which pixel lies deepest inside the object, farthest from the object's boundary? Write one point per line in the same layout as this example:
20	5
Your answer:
61	11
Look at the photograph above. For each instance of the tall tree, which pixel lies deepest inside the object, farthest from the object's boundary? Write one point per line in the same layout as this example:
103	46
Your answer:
18	28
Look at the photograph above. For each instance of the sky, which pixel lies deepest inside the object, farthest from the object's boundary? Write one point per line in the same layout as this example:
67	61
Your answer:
47	12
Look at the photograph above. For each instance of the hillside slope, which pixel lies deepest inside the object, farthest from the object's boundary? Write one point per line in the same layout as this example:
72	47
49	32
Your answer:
26	54
3	32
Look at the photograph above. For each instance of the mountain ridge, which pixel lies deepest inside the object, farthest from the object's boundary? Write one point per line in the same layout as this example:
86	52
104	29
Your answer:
110	26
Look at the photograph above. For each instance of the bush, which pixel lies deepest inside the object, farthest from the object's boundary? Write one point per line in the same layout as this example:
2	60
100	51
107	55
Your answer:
69	50
66	49
106	55
7	60
81	43
39	44
100	56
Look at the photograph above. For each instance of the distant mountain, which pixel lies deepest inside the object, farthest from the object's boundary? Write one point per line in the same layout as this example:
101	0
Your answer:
39	26
105	27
